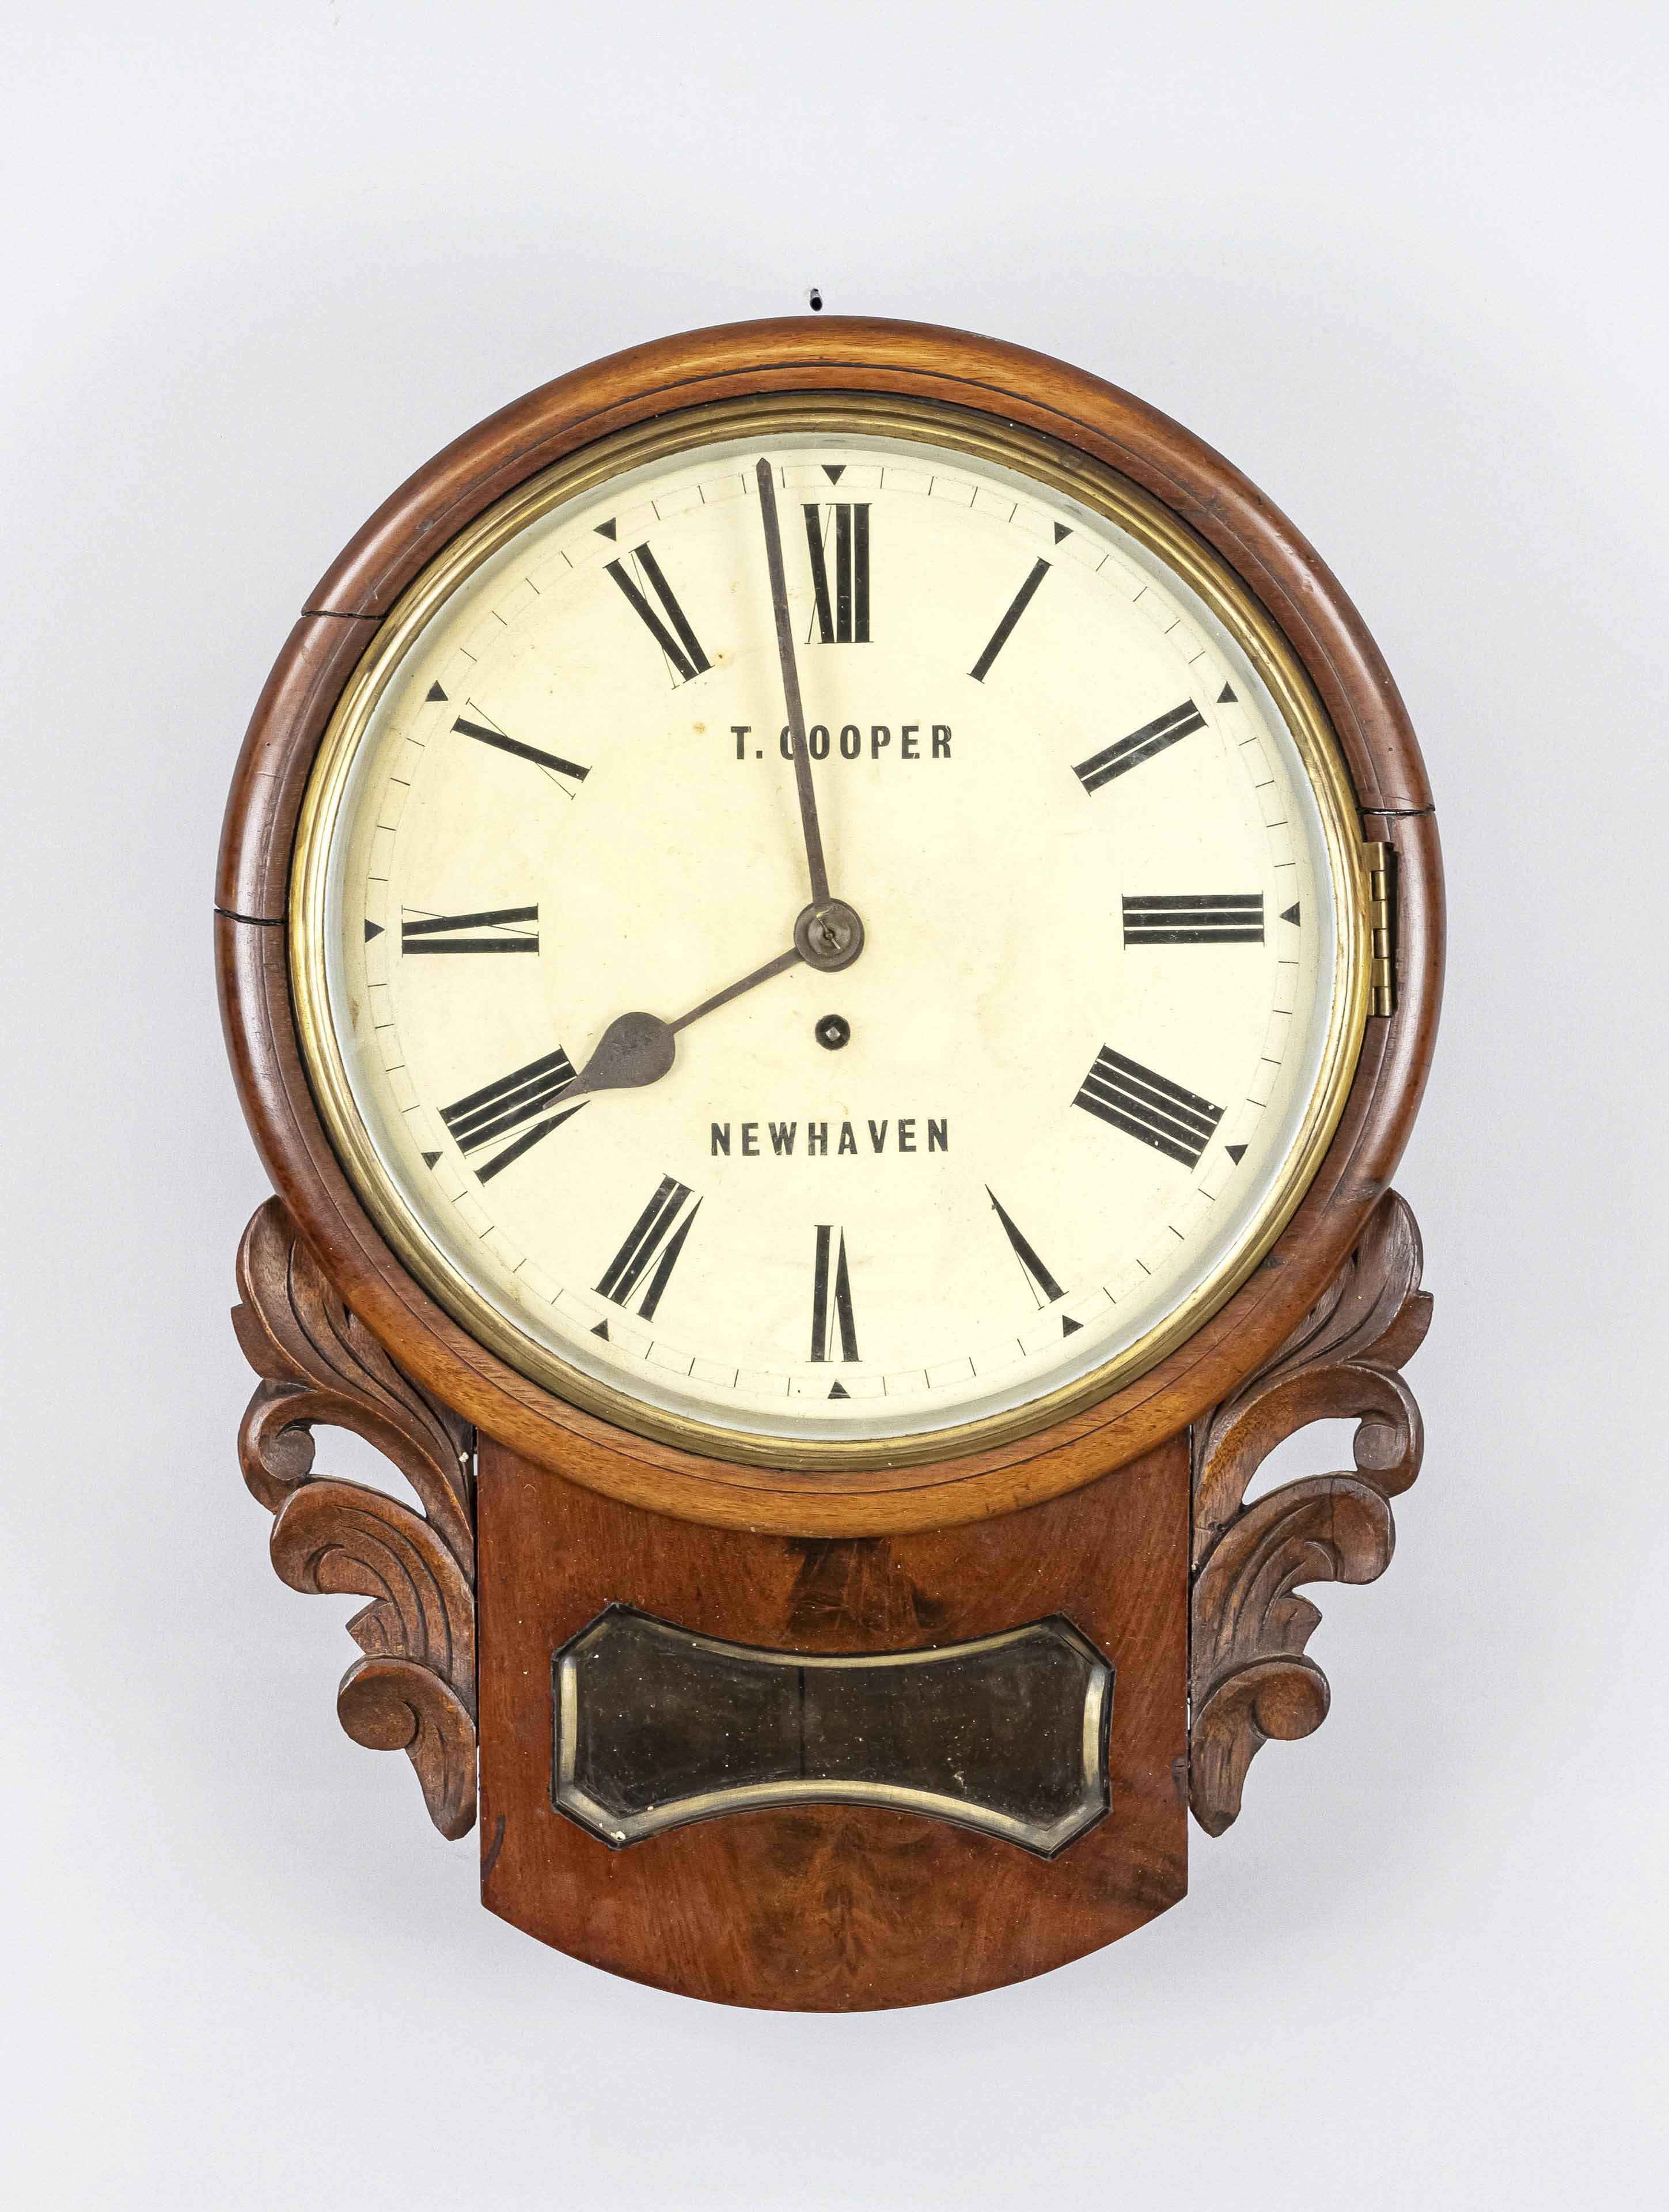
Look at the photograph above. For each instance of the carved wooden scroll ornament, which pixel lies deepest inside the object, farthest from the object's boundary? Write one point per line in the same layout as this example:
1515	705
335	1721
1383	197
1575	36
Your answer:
415	1689
1250	1677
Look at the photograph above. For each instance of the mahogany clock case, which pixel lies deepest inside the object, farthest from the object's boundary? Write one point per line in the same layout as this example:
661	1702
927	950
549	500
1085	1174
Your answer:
1087	418
1123	1528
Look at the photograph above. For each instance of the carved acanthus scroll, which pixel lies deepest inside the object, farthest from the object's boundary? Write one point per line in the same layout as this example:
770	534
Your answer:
415	1689
1250	1678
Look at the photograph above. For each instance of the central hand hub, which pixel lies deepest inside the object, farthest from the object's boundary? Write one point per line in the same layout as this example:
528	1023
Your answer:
828	936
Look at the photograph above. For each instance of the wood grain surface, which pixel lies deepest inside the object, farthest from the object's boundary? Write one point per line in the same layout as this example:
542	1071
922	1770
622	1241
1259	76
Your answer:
831	1907
1252	1679
415	1688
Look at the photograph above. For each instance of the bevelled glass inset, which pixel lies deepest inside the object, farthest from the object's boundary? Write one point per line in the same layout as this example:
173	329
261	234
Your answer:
657	1727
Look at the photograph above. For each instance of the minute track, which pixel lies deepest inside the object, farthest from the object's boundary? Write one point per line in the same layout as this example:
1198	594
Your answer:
948	1299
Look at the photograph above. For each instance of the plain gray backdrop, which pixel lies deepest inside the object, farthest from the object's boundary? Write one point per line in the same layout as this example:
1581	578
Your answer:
1404	264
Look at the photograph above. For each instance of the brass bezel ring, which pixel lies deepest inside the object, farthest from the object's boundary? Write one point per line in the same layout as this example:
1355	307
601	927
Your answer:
1095	486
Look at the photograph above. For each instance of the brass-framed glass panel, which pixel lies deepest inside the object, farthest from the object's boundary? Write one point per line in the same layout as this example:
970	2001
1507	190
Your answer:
656	1726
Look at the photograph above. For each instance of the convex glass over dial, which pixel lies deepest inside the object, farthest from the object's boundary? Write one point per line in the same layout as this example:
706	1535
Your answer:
833	930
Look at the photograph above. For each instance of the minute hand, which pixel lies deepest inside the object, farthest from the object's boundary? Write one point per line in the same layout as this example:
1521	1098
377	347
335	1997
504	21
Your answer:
816	866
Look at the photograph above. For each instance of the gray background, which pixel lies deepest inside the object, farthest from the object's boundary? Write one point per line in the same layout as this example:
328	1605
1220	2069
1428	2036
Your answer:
1404	264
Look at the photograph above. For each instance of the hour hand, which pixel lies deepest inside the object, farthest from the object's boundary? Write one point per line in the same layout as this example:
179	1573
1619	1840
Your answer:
639	1048
635	1049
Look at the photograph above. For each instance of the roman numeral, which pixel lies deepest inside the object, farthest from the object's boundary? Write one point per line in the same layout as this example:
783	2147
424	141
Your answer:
678	642
1195	918
1140	745
656	1239
1000	635
830	1319
1039	1281
487	733
517	1108
1161	1112
843	616
502	929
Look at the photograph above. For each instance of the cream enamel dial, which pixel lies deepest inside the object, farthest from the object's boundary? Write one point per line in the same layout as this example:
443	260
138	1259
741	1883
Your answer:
1109	990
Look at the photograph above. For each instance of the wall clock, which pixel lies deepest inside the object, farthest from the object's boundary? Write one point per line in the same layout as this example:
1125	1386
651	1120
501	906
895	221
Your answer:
830	931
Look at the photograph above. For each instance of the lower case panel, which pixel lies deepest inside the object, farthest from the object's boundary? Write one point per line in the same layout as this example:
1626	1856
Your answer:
832	1906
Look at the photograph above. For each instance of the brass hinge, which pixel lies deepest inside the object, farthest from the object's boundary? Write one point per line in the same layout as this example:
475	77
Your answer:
1381	925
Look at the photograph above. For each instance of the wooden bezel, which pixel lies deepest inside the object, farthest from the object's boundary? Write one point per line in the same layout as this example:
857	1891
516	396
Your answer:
1206	495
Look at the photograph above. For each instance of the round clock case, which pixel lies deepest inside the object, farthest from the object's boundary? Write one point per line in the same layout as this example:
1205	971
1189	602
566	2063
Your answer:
901	381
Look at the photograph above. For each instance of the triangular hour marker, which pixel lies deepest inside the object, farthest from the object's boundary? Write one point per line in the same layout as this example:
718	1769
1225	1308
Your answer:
1292	913
1236	1152
834	474
839	1390
429	1158
601	1330
1062	530
372	929
1226	696
435	692
1068	1326
604	530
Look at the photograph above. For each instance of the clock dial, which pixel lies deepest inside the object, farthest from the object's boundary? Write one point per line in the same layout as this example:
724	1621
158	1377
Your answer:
996	1124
